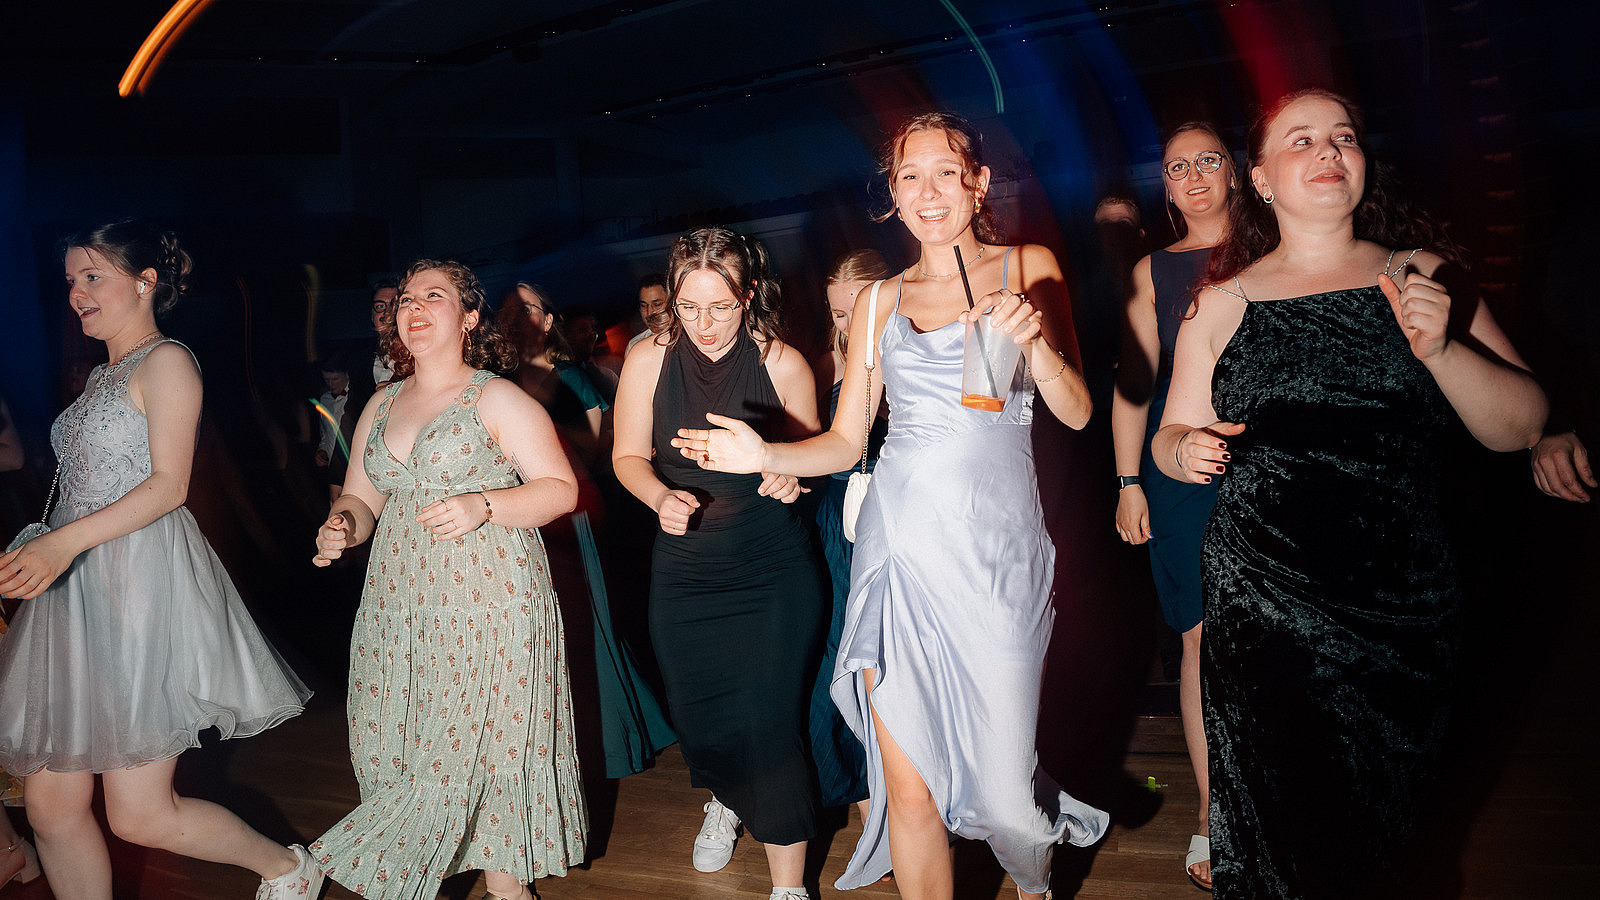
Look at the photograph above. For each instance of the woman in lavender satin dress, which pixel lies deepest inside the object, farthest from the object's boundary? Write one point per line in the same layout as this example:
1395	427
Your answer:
941	661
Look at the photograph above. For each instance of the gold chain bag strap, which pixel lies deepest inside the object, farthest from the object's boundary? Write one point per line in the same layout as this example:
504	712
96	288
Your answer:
856	490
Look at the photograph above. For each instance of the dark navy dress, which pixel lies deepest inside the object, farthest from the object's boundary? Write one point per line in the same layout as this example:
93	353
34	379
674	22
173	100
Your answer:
1179	510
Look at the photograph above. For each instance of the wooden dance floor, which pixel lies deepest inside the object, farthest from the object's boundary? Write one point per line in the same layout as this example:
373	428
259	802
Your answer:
1525	820
1534	837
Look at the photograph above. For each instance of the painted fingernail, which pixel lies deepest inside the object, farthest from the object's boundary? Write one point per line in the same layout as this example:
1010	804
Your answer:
1223	445
1220	470
1227	456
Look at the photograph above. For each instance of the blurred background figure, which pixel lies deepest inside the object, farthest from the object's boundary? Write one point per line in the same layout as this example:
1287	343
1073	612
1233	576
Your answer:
838	754
654	313
332	456
621	725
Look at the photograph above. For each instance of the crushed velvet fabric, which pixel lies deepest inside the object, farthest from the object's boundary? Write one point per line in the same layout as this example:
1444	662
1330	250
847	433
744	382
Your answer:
1332	606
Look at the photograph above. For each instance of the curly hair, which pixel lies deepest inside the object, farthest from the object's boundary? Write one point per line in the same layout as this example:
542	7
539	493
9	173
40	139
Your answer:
852	267
1384	216
133	245
484	347
967	143
742	264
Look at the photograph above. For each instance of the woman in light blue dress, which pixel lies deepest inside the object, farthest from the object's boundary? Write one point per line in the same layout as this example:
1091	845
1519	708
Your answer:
133	638
942	656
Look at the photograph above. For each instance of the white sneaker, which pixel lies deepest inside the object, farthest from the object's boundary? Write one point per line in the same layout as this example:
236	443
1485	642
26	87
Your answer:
303	882
789	894
713	846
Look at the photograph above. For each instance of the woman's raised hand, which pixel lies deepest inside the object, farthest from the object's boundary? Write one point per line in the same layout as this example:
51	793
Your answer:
732	447
1010	312
1422	307
453	517
1203	452
675	509
332	537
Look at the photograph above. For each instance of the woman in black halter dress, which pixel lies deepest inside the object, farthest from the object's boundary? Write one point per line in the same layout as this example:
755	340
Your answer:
736	595
1317	399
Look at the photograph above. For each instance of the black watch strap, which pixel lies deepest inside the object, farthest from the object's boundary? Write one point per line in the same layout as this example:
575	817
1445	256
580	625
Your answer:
1127	480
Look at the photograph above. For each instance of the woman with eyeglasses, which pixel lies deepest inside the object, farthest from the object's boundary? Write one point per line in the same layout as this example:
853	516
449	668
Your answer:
1153	509
736	595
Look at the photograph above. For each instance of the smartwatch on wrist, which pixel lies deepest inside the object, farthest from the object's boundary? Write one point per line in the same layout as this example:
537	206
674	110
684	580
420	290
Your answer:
1128	481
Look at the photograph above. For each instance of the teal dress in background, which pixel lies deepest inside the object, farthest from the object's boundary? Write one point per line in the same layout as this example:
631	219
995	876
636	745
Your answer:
633	727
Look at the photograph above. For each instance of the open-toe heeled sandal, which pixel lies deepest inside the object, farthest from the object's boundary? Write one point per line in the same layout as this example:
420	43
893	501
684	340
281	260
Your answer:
29	870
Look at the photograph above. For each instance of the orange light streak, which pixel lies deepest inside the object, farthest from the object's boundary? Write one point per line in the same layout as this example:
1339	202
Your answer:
145	62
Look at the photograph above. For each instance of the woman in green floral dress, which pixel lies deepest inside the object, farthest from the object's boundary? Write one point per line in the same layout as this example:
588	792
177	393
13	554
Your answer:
460	721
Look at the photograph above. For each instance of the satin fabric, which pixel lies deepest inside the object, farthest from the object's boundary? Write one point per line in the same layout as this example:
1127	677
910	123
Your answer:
950	606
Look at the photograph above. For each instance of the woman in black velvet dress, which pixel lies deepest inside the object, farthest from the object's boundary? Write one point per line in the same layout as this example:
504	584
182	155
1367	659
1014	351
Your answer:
1316	391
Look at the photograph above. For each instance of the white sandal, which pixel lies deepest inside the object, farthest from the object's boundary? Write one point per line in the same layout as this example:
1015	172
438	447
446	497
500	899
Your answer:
30	862
1199	852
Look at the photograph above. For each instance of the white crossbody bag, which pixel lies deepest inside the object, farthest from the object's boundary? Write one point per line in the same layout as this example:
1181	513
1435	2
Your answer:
856	491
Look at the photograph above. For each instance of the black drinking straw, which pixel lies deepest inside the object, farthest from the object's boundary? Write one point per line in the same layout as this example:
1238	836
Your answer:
994	390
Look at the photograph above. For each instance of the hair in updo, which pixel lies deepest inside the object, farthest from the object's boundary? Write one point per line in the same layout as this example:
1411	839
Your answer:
133	245
484	347
514	323
857	266
741	262
966	141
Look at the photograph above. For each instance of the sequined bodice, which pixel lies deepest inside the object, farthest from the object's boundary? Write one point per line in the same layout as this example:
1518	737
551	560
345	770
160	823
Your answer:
102	439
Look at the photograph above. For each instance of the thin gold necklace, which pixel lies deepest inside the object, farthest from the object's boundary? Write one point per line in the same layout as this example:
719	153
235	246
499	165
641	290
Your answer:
926	274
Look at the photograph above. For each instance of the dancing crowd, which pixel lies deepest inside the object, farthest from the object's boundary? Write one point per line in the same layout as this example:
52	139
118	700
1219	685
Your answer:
1291	369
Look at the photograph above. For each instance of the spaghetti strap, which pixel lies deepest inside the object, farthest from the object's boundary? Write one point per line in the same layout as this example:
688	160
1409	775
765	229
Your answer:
1005	267
1238	296
1393	271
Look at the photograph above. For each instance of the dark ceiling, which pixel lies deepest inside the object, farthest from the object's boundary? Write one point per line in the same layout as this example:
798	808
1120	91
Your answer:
763	96
641	84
